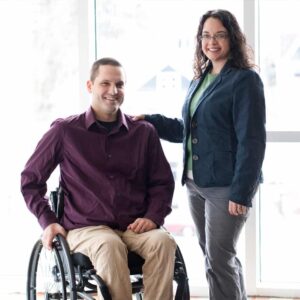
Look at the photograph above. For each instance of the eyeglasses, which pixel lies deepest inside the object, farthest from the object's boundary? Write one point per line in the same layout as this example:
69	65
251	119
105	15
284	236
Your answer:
221	36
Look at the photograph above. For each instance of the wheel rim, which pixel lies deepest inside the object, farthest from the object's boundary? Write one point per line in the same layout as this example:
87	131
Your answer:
50	273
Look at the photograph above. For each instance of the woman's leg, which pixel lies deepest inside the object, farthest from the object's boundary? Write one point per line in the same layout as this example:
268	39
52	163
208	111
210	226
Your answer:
223	269
197	209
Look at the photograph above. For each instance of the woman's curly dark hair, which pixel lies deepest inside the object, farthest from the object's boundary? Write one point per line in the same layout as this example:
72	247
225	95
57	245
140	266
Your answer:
240	52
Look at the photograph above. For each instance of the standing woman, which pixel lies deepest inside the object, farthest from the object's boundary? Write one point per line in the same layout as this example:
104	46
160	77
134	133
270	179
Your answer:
224	138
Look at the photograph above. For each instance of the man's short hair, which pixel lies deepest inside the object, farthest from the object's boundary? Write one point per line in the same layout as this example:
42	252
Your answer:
102	62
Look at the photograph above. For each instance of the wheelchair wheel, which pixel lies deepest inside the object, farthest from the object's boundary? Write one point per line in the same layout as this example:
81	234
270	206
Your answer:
181	277
51	273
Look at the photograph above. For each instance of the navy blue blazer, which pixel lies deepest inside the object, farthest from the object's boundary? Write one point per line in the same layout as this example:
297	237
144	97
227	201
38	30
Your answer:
227	130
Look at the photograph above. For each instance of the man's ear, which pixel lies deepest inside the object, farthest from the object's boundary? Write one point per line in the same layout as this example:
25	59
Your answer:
89	86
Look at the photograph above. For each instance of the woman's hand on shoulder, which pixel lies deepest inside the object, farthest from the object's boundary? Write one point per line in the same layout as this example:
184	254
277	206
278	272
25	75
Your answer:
138	117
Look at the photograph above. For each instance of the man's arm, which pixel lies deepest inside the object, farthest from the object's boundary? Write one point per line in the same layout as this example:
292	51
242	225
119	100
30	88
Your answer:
160	181
38	169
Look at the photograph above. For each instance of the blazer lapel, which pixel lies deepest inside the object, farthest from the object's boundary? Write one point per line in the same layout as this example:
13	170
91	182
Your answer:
212	86
208	91
186	106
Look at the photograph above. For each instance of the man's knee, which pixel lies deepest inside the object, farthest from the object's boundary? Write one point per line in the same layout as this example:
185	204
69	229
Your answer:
163	241
105	249
111	246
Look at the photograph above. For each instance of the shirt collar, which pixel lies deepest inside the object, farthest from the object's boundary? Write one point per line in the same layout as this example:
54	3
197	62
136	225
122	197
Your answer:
90	119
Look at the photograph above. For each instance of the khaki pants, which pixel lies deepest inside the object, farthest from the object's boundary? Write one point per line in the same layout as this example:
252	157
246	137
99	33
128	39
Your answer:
107	250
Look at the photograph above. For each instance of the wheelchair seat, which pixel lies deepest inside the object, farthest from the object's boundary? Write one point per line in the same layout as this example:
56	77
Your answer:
60	274
135	262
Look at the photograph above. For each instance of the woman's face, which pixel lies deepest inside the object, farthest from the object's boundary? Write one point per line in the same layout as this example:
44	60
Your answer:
215	41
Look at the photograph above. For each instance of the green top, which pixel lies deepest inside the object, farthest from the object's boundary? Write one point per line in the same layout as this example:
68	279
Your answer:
209	78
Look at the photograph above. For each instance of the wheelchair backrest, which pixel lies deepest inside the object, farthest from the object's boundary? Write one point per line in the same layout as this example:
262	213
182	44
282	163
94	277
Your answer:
57	202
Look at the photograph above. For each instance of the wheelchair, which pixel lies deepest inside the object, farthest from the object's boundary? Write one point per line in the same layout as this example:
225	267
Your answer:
58	274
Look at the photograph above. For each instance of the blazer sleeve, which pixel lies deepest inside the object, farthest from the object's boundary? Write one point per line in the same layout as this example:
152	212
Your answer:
169	129
249	125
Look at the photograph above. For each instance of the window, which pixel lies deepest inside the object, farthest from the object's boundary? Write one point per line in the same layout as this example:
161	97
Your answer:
155	41
279	206
40	81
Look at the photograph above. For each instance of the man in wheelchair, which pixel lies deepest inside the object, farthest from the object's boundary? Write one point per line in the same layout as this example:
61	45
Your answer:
117	186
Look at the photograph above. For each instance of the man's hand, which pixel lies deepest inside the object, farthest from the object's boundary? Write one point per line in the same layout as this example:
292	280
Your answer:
236	209
141	225
50	232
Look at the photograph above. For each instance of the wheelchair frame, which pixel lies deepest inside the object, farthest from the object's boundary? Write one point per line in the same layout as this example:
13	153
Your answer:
58	274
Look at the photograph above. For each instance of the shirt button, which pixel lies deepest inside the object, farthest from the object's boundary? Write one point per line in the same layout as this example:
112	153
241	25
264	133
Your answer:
194	124
195	157
109	156
194	141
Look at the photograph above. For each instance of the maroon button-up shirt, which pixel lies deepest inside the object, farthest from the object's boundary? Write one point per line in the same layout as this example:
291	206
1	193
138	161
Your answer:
111	178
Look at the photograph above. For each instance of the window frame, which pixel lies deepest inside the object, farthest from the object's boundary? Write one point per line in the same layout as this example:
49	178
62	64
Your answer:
254	285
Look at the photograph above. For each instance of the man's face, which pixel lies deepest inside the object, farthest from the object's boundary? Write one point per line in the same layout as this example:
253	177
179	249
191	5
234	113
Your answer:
107	92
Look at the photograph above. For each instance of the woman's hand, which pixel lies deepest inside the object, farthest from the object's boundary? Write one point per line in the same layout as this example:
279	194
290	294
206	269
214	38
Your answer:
138	117
236	209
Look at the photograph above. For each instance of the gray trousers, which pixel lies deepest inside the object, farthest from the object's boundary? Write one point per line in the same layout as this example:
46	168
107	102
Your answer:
218	233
